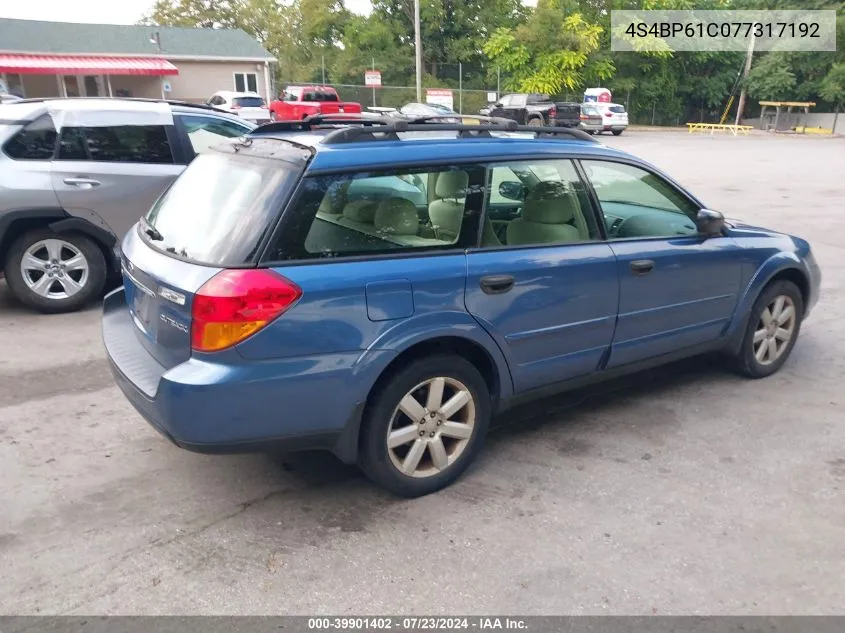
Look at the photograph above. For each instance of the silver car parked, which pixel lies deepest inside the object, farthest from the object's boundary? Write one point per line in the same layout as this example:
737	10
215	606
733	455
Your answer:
76	174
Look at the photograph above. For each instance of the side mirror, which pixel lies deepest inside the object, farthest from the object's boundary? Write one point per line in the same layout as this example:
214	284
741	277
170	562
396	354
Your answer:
512	190
709	223
498	104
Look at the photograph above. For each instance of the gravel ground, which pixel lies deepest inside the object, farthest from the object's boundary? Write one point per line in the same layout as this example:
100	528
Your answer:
686	490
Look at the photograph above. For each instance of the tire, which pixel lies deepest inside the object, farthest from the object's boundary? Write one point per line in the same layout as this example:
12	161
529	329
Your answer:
590	132
752	361
535	122
464	439
617	132
89	272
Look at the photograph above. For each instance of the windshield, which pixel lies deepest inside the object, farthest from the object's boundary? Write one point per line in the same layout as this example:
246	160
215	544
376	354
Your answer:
220	208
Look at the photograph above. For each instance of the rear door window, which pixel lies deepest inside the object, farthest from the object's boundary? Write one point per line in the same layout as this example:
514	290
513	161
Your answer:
117	144
36	141
221	207
249	102
383	213
72	145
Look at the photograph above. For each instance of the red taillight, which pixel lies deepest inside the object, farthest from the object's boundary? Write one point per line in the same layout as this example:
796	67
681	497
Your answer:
235	304
553	113
608	114
235	106
584	117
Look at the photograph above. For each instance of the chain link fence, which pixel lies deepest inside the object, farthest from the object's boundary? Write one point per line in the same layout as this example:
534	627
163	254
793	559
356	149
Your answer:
465	101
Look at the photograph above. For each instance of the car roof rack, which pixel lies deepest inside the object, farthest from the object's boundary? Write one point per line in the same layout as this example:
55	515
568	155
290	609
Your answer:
187	104
355	128
322	121
393	128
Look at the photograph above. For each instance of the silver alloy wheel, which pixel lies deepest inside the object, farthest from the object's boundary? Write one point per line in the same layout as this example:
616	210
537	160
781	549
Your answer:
425	439
774	330
54	269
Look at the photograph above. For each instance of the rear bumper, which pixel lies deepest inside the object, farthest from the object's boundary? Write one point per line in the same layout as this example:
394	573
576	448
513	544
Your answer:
211	407
599	127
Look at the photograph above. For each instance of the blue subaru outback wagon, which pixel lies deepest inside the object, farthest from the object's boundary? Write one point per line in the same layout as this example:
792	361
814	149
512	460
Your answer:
381	288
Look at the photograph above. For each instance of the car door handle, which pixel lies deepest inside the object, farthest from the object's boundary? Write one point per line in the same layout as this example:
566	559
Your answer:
642	266
83	183
496	284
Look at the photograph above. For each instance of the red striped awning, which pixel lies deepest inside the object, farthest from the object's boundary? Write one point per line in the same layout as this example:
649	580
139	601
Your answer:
85	65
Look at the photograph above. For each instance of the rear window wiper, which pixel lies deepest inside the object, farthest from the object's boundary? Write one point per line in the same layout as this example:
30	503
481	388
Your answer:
151	231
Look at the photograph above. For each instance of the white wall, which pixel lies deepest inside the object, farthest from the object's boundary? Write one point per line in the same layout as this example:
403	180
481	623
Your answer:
814	119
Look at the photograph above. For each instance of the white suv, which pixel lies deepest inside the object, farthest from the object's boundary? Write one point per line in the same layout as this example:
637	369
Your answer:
603	117
247	105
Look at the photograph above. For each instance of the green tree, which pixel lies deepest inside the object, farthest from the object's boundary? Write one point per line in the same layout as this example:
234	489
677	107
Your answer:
833	89
452	31
195	13
550	51
772	79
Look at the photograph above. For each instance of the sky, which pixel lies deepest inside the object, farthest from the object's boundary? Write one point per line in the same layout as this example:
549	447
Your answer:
100	11
105	11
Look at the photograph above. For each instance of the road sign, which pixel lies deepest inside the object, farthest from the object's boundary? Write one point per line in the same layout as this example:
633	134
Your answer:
372	78
440	97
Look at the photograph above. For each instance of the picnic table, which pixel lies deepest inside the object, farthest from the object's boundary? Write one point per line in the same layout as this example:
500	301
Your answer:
719	127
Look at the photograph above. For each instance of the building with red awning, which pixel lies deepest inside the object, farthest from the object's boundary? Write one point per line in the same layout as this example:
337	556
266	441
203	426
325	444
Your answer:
59	59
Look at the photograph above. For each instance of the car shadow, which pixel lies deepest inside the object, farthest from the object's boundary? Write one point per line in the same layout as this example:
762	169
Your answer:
575	410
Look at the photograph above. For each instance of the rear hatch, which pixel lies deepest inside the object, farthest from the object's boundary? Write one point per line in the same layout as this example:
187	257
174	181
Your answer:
216	216
591	116
615	115
568	112
251	108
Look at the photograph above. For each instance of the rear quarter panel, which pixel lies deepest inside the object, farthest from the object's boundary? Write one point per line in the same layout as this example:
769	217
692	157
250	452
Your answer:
361	314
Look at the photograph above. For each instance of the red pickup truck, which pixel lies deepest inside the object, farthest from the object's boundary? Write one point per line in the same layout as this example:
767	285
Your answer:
298	102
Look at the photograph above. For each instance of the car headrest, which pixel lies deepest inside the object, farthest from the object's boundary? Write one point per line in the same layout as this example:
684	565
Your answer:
327	205
363	211
451	184
550	203
397	216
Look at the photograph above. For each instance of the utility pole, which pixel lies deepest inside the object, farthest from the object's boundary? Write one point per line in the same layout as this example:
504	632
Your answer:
418	46
460	87
499	82
374	88
324	69
741	105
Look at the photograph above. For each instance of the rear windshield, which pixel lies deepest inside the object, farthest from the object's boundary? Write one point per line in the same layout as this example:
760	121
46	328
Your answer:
617	108
220	208
320	95
249	102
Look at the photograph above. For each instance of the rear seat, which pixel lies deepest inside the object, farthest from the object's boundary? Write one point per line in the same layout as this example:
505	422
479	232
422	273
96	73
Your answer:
397	219
359	215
